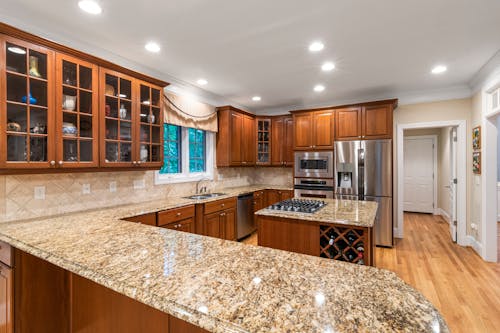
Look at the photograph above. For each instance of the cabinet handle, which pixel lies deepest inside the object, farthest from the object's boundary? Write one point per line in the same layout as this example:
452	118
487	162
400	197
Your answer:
222	214
52	163
179	214
134	162
60	162
138	162
178	226
222	205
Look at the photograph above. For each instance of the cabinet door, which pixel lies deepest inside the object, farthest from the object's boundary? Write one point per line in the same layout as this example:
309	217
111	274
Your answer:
277	144
228	222
236	123
265	140
348	124
323	129
377	122
186	225
302	131
117	119
288	142
211	225
284	195
5	299
272	197
248	141
150	119
77	120
258	200
27	126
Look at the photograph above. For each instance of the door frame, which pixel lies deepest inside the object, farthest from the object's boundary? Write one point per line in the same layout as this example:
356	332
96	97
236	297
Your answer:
435	142
461	174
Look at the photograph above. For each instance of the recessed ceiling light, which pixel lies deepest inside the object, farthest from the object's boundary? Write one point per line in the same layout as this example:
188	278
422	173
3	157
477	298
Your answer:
319	88
16	50
152	47
328	66
256	98
316	46
90	7
202	82
439	69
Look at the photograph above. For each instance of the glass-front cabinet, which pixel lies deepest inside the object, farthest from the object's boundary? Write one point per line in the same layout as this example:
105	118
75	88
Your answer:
76	112
131	124
263	141
27	108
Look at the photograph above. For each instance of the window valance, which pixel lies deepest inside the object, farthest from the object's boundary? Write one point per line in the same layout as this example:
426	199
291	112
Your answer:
187	112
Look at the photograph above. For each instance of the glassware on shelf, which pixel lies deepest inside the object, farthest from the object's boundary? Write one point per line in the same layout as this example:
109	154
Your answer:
69	129
123	112
144	153
32	99
34	67
151	118
69	102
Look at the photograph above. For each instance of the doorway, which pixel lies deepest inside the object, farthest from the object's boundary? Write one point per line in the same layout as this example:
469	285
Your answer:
451	192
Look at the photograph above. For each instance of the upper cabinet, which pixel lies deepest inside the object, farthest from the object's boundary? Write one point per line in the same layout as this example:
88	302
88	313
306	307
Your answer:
282	141
313	130
65	110
236	138
370	121
264	141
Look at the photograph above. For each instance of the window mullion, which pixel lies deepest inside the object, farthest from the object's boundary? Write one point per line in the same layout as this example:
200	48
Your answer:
185	151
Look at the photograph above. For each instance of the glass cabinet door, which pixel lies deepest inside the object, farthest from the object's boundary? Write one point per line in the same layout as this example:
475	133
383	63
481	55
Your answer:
117	127
263	141
151	126
27	117
77	109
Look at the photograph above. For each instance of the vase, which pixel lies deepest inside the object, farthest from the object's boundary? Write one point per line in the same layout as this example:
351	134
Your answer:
32	99
151	118
34	67
144	154
123	112
69	102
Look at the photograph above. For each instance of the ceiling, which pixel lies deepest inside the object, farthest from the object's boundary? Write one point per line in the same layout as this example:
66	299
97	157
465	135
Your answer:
381	48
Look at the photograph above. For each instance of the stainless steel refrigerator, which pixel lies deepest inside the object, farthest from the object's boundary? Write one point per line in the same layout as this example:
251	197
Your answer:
363	170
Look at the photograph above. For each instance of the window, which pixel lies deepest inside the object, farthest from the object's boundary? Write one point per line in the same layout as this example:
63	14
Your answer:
188	155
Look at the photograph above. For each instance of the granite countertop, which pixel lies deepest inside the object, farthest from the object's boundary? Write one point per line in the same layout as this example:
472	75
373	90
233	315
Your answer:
349	212
220	285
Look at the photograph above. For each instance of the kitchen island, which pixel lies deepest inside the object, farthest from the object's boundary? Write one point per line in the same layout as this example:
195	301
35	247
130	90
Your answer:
214	284
340	230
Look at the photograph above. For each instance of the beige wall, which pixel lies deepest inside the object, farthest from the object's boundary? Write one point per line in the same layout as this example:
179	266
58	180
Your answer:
459	109
63	192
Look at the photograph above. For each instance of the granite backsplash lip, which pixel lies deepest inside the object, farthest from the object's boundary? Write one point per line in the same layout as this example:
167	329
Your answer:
224	286
348	212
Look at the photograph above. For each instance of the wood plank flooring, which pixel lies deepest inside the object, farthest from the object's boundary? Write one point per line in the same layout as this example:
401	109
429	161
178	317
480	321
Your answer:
464	288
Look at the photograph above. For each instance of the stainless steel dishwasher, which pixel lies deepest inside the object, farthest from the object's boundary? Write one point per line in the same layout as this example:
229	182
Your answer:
245	222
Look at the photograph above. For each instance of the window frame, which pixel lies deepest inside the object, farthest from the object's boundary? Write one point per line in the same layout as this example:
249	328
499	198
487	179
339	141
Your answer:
186	176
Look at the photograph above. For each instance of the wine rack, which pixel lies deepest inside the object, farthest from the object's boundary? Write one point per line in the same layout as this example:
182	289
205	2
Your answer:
345	243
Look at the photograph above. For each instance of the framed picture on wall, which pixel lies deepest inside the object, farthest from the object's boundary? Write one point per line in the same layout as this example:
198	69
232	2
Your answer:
476	162
476	138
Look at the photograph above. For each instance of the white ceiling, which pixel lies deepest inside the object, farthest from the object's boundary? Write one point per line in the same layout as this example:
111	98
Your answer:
382	48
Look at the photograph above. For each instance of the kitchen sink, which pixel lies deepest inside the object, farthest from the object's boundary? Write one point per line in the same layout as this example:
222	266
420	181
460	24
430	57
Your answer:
204	196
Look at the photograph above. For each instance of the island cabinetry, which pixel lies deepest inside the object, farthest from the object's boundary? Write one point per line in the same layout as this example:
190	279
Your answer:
313	130
219	219
6	292
236	138
273	196
149	219
180	219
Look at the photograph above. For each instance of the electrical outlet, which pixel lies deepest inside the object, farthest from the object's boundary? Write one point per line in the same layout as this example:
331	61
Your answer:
39	193
112	186
86	188
139	184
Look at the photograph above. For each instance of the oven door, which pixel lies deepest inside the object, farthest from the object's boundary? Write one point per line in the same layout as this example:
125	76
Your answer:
314	164
320	194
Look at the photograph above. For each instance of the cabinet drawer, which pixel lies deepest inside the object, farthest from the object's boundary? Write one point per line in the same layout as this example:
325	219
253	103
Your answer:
149	219
215	206
176	214
6	253
186	225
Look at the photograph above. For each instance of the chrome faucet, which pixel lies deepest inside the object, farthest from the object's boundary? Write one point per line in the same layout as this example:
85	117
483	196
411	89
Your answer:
204	188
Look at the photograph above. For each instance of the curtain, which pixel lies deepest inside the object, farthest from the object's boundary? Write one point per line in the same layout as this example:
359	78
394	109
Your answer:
187	112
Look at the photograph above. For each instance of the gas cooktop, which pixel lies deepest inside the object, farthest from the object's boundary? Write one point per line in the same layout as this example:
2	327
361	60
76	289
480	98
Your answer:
298	205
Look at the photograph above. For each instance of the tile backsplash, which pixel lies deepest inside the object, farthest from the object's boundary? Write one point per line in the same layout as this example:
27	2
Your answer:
70	192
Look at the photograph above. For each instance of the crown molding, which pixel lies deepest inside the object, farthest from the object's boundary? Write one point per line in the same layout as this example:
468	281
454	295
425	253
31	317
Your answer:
484	78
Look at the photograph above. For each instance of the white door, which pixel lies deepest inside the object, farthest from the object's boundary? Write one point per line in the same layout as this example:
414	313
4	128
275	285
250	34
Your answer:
453	184
419	174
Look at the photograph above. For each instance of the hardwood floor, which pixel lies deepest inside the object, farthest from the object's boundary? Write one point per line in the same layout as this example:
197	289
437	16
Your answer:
464	288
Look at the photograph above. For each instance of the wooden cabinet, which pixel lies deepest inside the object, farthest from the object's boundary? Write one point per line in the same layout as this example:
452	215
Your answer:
132	122
180	219
313	130
371	121
282	141
259	200
149	219
236	138
273	196
219	219
264	142
6	289
65	109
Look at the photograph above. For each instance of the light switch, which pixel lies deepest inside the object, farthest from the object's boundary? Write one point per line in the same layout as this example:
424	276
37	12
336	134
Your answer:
39	192
112	186
86	188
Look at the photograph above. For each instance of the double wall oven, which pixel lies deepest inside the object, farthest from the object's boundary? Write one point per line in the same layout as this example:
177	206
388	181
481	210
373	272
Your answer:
314	174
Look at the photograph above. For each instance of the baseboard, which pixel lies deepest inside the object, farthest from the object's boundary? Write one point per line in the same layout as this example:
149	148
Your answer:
478	247
444	214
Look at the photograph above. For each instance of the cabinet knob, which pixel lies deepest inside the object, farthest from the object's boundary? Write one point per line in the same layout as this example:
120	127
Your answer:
134	162
222	205
52	163
138	162
179	214
60	162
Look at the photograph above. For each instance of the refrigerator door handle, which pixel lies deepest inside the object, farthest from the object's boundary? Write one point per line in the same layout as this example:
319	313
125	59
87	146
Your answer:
361	173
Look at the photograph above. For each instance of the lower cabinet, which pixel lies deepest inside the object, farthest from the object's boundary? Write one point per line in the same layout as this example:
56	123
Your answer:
258	200
273	196
219	219
6	322
149	219
180	219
